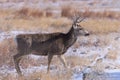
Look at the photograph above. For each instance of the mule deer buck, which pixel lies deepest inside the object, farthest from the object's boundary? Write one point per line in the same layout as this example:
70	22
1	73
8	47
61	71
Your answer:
47	44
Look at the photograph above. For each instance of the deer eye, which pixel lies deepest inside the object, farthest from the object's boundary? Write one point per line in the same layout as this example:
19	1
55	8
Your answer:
77	24
80	28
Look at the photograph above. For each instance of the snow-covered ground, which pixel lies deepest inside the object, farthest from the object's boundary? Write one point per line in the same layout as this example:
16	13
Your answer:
102	51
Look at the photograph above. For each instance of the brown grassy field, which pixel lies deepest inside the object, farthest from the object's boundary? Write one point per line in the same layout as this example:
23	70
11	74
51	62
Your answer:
36	20
12	21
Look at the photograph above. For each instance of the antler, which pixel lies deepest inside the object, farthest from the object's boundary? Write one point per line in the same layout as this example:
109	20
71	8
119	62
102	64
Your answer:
78	20
82	19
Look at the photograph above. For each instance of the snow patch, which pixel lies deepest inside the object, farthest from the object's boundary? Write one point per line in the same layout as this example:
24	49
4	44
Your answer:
112	71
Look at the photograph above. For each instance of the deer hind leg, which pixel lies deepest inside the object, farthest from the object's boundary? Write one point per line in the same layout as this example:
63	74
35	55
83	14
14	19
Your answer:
17	59
62	59
49	61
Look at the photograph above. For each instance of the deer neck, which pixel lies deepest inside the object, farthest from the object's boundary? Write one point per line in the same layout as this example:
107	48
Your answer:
70	38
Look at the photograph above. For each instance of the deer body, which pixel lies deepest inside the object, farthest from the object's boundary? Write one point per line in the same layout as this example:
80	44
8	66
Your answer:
47	44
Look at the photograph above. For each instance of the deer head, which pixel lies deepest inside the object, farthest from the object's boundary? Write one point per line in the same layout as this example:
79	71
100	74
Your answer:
79	30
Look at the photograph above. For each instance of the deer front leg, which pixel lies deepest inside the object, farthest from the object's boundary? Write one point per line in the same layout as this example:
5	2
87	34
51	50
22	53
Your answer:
62	59
49	61
17	59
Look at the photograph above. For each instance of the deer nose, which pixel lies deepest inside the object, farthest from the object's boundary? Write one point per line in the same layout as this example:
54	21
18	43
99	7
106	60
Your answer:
87	34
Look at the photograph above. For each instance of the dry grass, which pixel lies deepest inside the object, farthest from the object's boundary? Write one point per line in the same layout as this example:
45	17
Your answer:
38	22
104	14
9	23
66	10
26	12
112	55
6	58
40	76
70	11
72	61
7	50
103	25
75	60
33	19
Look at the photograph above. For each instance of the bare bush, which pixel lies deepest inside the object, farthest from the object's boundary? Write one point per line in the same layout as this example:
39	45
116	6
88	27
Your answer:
7	49
26	12
69	11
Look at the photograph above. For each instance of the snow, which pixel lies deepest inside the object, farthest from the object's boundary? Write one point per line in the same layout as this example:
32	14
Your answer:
11	34
112	71
32	69
82	51
78	77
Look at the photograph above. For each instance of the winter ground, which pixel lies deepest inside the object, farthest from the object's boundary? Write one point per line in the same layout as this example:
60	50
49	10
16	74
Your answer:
95	53
91	57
